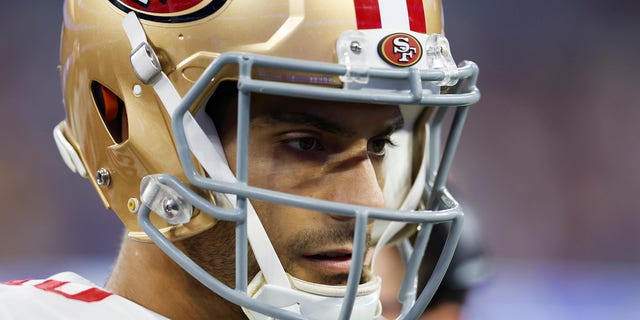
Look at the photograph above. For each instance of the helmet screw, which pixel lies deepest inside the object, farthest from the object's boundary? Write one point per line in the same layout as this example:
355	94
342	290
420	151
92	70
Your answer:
133	204
355	47
171	207
103	177
137	90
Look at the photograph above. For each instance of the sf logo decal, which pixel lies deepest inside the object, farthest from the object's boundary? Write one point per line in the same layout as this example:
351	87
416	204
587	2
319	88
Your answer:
400	50
146	2
170	11
401	46
162	6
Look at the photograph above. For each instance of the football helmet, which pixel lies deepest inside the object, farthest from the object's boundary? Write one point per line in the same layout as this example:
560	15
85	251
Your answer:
136	75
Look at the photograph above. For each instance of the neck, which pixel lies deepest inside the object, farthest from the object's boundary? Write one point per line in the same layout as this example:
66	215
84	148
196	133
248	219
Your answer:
147	276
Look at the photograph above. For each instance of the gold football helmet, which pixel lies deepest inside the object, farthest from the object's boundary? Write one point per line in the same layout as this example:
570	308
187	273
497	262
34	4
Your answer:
136	75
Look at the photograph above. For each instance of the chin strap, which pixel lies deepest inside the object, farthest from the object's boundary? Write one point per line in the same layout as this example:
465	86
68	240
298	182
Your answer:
410	202
207	148
317	301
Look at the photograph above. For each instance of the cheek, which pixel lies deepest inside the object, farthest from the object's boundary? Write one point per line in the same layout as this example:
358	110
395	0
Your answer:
280	222
272	167
268	171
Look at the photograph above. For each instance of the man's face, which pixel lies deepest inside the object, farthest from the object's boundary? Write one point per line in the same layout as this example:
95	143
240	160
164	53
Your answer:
323	150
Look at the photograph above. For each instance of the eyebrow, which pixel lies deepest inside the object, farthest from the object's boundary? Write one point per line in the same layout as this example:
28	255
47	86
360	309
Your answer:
324	124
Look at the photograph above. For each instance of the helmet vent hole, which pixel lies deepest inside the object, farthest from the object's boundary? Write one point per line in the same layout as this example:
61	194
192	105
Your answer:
112	111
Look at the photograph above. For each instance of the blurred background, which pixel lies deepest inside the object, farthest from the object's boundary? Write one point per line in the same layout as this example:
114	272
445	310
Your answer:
549	162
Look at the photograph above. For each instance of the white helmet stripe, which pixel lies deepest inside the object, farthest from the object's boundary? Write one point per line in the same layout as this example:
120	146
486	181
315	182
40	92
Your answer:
394	14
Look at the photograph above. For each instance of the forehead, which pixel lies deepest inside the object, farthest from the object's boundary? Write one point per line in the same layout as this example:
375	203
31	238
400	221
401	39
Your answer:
292	110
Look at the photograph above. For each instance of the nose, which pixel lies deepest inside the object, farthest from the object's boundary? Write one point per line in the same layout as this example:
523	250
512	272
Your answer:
355	181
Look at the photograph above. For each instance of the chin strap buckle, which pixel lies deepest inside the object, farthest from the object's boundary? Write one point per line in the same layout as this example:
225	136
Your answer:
145	63
352	48
144	60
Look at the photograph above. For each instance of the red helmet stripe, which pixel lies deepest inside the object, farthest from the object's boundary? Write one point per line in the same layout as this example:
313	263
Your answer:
368	14
417	19
395	15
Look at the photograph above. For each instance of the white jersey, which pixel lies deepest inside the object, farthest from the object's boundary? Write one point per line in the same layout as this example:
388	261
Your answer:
66	296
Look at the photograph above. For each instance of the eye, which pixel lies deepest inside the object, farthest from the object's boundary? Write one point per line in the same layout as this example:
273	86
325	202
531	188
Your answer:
378	146
304	144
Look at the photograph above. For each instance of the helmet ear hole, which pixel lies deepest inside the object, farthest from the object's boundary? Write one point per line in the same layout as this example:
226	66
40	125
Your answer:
112	112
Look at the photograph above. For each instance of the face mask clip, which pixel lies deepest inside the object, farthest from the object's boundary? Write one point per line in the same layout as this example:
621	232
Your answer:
353	50
166	202
438	56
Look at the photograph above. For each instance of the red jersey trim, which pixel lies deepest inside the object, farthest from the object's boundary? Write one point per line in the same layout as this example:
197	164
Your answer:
16	282
90	295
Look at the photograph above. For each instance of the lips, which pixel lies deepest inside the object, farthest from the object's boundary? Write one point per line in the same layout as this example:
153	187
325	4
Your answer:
330	256
330	261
